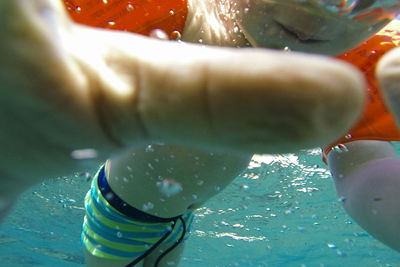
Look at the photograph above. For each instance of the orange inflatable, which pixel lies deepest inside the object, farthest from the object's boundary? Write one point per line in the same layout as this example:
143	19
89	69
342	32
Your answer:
143	16
139	16
376	122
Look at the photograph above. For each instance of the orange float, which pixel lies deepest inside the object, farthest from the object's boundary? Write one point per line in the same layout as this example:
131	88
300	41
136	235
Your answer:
376	122
139	16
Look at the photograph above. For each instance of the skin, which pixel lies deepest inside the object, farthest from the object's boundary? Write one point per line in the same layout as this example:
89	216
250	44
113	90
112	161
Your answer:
54	72
367	181
137	176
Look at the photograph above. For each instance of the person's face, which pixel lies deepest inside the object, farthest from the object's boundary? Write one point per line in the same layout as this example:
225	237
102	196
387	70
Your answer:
304	25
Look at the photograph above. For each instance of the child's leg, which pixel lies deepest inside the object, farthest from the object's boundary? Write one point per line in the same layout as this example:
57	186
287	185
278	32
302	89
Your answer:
93	261
367	180
133	238
171	259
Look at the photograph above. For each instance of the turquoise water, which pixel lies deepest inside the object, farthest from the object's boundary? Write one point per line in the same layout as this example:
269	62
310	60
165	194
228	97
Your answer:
282	211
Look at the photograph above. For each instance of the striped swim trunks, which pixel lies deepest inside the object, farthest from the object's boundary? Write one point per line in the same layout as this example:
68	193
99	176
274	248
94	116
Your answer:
112	229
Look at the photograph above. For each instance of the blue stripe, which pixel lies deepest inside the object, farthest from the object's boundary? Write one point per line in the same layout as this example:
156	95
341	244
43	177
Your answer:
98	228
188	219
113	251
114	237
106	211
114	216
157	230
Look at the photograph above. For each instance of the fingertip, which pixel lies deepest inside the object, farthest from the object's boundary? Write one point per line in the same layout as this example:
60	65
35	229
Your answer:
388	76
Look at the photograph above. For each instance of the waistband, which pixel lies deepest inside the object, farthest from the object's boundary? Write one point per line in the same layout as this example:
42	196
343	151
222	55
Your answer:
129	211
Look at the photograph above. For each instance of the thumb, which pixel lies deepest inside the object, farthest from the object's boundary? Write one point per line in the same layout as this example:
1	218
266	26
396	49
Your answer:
388	75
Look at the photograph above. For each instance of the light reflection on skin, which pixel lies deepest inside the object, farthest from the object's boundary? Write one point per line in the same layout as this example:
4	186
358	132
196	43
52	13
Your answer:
302	26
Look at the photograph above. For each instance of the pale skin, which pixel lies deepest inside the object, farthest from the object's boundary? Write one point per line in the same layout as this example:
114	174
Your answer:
136	175
236	102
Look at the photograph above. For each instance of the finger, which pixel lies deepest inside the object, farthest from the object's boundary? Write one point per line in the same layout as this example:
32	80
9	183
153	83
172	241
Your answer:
110	88
388	75
46	111
248	100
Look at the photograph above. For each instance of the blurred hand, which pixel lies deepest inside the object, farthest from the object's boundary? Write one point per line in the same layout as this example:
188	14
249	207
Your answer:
66	87
388	73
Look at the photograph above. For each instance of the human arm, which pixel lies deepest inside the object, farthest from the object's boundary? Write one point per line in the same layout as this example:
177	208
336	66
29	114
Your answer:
75	87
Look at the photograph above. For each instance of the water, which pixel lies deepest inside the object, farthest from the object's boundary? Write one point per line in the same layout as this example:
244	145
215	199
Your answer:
282	211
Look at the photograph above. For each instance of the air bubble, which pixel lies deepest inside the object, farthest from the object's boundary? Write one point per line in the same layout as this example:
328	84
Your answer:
105	2
171	12
109	196
169	187
348	136
332	246
244	187
176	35
147	206
150	166
289	211
194	196
119	234
86	176
129	168
200	183
111	23
342	199
341	253
287	49
149	148
130	8
341	148
158	34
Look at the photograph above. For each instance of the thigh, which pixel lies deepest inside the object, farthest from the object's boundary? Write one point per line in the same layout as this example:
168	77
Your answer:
93	261
170	259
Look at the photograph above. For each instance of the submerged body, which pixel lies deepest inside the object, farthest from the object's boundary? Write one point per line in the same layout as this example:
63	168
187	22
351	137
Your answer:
169	181
79	89
363	163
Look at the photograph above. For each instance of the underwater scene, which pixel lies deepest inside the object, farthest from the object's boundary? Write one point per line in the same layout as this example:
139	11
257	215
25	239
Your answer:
281	211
